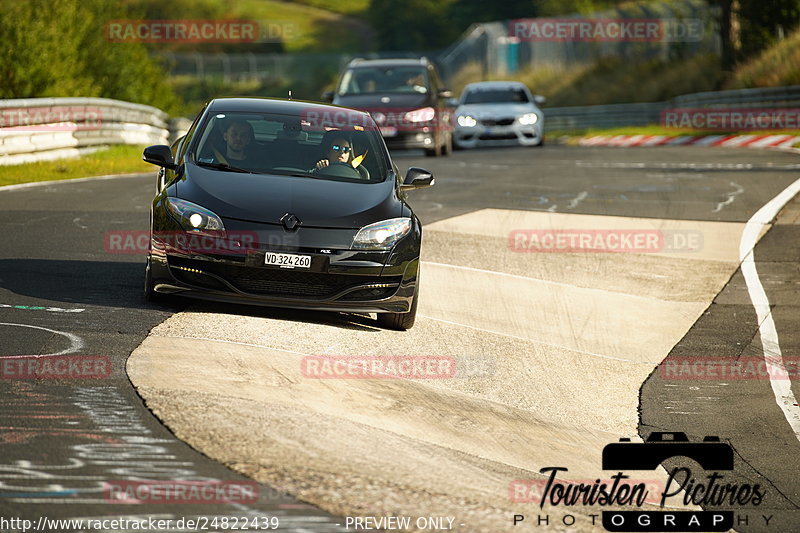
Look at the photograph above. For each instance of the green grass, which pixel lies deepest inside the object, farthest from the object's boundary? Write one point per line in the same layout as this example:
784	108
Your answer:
345	7
113	160
776	66
313	29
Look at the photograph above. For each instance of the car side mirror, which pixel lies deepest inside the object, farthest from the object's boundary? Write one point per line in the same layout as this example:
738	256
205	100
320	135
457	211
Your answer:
327	96
161	155
445	93
539	99
452	102
417	178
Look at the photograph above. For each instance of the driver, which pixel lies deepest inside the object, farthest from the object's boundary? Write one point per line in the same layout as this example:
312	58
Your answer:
238	135
339	150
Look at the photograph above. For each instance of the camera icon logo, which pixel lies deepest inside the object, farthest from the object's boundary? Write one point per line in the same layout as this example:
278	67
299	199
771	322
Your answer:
711	453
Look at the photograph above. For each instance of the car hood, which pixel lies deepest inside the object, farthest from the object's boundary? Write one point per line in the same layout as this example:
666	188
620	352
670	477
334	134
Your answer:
368	102
497	110
266	198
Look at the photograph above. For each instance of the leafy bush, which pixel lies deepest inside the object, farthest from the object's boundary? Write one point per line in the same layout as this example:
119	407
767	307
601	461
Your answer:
59	48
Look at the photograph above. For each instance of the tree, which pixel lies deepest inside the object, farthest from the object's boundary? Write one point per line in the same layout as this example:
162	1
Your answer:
59	48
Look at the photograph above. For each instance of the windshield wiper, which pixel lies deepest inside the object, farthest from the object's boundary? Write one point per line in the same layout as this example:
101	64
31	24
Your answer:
223	166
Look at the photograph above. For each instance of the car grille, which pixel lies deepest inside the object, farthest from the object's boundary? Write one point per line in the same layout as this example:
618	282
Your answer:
497	121
501	137
283	282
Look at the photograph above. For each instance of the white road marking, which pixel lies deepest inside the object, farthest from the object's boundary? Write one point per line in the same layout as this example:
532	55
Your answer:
75	342
578	199
76	180
731	197
781	388
42	308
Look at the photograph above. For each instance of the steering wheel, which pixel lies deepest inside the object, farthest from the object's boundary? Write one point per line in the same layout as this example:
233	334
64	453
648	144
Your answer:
339	170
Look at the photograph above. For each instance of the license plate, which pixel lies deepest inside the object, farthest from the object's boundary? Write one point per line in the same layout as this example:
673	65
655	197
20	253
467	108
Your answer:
287	260
388	131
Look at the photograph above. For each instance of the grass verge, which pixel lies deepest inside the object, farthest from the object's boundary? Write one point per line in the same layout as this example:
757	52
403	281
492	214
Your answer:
113	160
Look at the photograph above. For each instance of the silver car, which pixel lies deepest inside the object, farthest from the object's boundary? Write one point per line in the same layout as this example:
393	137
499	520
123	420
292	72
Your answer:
492	113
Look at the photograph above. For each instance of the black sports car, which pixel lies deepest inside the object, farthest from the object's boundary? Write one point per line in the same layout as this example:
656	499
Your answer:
285	203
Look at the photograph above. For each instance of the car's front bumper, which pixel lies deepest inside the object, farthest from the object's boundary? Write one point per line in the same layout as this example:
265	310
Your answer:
514	134
408	140
338	280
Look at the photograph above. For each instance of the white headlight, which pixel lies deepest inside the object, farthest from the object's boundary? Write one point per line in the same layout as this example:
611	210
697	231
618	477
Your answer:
382	235
528	119
466	121
193	217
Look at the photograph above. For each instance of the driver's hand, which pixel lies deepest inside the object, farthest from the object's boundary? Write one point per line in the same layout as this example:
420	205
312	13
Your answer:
322	163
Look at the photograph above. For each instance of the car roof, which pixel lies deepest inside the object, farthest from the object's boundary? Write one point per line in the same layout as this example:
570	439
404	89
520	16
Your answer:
279	106
489	85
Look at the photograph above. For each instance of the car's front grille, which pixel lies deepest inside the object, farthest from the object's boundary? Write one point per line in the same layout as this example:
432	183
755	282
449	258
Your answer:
500	137
283	282
497	121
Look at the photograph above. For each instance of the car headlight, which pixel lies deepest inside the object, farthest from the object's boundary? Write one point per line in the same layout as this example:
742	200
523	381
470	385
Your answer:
194	218
528	119
425	114
382	235
466	121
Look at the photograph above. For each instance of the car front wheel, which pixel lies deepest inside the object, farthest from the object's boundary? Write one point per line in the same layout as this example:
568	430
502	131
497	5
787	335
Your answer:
401	321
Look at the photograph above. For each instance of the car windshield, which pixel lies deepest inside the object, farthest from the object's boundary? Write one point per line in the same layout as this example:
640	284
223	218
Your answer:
367	80
322	143
496	96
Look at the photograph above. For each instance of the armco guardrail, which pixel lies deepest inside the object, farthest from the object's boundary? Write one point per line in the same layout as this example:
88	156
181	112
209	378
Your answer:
39	129
643	114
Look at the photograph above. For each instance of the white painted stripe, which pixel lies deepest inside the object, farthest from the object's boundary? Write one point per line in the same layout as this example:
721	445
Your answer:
618	140
781	387
632	140
738	140
76	180
683	139
75	342
655	140
705	141
789	142
767	140
592	141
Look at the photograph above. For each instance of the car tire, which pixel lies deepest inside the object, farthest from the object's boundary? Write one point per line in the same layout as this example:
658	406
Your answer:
401	321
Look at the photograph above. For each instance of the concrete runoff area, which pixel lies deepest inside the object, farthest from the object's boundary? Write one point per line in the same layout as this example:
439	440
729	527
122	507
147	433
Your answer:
563	342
